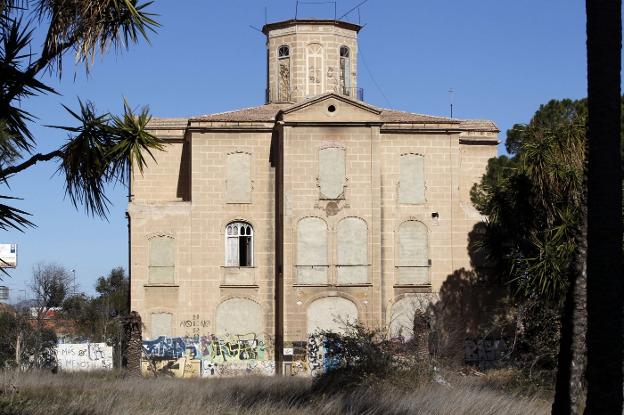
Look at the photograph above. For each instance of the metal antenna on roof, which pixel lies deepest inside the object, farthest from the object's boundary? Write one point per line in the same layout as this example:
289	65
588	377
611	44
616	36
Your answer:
265	15
296	9
451	92
357	6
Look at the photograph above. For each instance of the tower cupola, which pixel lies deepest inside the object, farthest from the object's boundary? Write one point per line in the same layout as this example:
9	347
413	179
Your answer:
306	58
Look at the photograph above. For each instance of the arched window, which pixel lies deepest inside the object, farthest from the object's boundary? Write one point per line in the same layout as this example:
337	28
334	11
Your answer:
283	51
283	73
314	69
238	245
345	70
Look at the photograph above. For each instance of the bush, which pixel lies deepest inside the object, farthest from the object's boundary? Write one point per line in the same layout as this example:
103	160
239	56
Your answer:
366	357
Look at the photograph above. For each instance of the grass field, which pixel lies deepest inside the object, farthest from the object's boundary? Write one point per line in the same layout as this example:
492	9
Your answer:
42	393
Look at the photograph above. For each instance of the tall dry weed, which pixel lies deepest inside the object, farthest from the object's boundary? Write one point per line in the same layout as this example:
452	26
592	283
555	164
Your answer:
41	393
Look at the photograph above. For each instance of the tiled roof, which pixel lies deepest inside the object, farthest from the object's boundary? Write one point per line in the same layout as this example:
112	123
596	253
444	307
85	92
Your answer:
268	112
393	116
479	125
168	122
262	113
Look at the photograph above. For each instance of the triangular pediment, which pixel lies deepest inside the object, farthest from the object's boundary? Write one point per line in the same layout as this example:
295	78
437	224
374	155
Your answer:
331	108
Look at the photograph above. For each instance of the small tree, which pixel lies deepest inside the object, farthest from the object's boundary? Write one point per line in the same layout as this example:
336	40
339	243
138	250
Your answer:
50	284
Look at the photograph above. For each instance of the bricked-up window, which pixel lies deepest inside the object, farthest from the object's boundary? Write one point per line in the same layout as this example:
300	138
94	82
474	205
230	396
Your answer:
312	261
161	259
345	70
412	180
283	65
238	244
314	69
332	172
412	254
238	178
352	246
161	324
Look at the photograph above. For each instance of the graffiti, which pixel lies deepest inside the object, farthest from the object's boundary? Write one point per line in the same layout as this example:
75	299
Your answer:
485	353
165	347
87	356
299	368
213	356
194	325
323	354
252	367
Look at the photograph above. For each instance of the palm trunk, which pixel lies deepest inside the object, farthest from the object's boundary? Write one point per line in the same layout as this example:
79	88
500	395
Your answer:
569	390
605	299
134	345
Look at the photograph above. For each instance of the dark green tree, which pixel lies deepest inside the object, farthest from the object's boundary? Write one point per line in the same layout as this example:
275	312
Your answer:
532	200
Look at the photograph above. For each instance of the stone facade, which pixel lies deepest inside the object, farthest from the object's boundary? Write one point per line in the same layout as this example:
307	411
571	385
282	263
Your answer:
304	213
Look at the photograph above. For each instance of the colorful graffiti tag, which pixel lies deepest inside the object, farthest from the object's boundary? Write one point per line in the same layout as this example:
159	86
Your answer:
208	355
323	354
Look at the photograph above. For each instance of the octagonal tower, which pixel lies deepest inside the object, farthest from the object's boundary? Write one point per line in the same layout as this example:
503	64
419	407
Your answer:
306	58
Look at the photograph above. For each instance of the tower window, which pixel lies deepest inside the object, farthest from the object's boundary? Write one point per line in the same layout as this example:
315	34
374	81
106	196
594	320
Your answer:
283	51
345	71
238	244
283	75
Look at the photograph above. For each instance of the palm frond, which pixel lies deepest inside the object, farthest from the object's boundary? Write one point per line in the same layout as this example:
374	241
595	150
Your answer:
101	150
90	27
133	142
13	218
84	165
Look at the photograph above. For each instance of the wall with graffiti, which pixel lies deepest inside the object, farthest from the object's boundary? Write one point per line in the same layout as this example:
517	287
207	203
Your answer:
84	356
205	356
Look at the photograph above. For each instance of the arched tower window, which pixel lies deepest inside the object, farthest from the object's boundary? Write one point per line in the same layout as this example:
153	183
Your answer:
238	244
314	69
283	75
345	70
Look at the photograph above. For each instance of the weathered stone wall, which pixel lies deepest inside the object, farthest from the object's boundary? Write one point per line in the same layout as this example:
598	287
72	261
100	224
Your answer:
202	285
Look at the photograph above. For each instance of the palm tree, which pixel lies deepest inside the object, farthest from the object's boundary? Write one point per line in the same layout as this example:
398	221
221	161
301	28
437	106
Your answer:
102	147
605	298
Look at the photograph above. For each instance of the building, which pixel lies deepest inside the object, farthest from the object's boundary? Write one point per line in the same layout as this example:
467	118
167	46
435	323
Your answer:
263	225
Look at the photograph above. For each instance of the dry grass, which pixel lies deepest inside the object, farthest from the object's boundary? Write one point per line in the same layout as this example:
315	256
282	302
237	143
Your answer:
111	393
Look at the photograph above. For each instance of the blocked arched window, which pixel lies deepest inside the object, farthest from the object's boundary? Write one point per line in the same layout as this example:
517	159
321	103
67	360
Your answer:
345	70
312	260
238	244
314	69
352	255
412	254
283	73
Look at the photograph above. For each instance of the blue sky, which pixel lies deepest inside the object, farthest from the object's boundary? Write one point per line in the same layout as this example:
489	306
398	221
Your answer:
502	58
